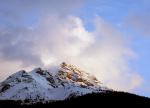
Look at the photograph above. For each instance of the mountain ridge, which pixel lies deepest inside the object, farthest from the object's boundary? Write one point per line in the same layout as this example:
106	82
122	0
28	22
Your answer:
42	86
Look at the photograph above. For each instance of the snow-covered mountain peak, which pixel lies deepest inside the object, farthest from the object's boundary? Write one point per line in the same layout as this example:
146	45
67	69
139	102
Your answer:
43	85
76	75
18	77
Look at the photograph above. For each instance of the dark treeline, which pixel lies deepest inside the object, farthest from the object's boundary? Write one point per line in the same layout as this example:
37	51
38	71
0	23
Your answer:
100	100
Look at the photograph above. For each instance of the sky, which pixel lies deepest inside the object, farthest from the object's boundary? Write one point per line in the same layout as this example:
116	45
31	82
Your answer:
108	38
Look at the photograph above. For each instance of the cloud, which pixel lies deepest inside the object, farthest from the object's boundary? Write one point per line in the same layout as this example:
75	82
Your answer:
55	38
17	18
139	23
108	58
16	33
18	8
137	19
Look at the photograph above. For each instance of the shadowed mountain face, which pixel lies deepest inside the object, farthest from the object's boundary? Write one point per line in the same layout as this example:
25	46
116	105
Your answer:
96	100
69	87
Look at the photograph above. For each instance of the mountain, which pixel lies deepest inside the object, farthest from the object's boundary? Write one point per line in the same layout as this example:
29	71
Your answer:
43	86
110	99
65	87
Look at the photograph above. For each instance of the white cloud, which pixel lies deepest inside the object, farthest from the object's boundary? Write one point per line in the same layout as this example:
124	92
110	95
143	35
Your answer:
108	58
57	38
102	52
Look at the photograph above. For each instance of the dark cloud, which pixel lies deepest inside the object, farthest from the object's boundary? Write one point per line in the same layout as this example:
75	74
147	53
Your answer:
16	44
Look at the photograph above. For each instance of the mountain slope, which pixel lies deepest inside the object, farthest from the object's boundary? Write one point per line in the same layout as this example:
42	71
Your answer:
102	100
43	86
